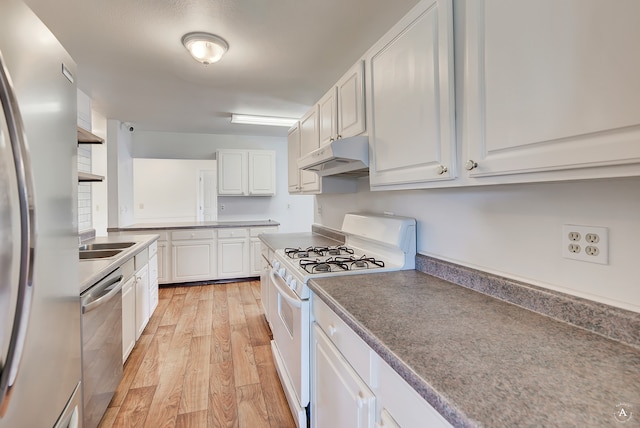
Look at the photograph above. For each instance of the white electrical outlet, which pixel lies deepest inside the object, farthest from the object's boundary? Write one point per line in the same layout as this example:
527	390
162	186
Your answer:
585	243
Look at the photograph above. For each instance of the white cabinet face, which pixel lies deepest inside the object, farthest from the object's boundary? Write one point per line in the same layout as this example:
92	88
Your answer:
293	153
193	260
551	85
163	266
327	117
351	118
128	318
339	397
232	172
153	284
309	141
262	172
233	258
411	100
142	299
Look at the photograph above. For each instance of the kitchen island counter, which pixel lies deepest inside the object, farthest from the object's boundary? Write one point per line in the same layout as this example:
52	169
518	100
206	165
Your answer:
480	361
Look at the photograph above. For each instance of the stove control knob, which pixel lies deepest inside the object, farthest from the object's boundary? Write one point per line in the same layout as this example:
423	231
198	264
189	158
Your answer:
282	272
288	279
275	264
293	284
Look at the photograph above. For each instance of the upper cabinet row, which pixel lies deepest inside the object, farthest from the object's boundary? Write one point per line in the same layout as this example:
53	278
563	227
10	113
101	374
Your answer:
246	172
541	96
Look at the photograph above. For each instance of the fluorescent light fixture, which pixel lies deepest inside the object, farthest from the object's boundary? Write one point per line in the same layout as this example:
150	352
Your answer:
246	119
204	47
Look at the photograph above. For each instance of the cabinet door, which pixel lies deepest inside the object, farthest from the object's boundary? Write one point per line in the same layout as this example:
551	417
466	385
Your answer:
163	263
410	97
293	153
142	300
128	317
552	86
309	141
193	260
351	119
262	173
256	257
327	117
233	258
232	172
339	397
153	284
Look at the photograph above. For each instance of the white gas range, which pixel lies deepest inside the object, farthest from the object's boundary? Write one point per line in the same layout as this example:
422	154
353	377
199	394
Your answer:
373	243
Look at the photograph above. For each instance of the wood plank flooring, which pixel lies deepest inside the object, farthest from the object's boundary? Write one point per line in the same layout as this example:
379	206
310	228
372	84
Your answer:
204	360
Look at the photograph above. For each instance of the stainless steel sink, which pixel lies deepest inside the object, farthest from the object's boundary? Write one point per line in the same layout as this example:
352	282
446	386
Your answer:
106	246
98	254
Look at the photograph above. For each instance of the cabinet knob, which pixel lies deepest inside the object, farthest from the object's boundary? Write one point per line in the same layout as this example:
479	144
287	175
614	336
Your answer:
331	139
471	164
339	136
442	169
332	330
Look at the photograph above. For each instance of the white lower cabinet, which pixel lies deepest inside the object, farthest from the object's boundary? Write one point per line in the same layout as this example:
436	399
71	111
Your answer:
128	317
164	275
153	283
340	396
193	255
233	253
142	299
352	386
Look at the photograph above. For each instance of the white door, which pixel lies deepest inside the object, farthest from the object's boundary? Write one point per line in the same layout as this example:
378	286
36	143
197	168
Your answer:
340	398
351	102
293	153
207	196
232	172
262	172
309	141
327	117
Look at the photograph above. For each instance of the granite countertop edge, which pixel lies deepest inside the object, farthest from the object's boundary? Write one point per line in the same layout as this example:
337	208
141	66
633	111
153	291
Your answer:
439	402
93	270
195	225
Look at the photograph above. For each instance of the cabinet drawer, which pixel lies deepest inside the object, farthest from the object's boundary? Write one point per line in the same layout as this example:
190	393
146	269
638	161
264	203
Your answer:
128	269
141	259
232	233
354	349
192	234
164	235
153	249
255	231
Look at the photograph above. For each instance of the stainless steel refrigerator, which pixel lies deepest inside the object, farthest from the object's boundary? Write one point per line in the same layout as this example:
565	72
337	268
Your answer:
40	348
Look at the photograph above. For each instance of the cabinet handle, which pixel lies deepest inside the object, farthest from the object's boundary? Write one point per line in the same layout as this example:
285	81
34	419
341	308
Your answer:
331	139
360	400
339	136
332	330
471	164
442	169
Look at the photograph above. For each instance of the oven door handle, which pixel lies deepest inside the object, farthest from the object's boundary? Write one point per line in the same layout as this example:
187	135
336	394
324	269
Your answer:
285	292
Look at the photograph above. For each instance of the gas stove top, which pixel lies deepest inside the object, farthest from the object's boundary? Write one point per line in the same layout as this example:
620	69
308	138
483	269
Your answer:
373	243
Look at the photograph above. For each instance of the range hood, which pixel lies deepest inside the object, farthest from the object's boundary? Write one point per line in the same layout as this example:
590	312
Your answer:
347	157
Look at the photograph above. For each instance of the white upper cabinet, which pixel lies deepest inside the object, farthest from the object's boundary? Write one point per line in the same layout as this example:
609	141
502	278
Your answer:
410	100
341	109
293	153
232	172
552	89
262	172
309	141
350	100
246	172
328	117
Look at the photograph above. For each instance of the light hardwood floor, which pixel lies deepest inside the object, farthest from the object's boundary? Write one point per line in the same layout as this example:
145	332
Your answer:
204	360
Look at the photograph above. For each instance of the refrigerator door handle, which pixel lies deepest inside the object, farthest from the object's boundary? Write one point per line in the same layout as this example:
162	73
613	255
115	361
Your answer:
24	180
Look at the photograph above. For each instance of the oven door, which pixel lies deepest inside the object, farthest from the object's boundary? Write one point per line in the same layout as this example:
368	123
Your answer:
291	346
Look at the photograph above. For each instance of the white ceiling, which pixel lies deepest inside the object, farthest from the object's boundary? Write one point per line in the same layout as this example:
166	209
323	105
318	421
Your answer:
283	55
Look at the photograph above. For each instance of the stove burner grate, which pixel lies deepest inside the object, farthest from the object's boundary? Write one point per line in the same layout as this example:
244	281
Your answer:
317	266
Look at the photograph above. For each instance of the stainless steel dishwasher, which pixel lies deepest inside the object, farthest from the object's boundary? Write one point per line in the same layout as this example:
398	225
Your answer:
101	345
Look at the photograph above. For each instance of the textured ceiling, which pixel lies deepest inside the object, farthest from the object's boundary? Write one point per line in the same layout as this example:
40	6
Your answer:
283	55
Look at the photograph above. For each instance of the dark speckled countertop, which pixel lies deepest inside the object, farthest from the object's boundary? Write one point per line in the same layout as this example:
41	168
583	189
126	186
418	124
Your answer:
481	361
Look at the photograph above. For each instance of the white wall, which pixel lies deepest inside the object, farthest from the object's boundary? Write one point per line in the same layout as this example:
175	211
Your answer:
166	190
294	213
99	166
120	169
516	230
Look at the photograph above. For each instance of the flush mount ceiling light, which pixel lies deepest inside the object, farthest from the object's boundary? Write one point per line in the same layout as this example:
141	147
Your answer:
246	119
204	47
